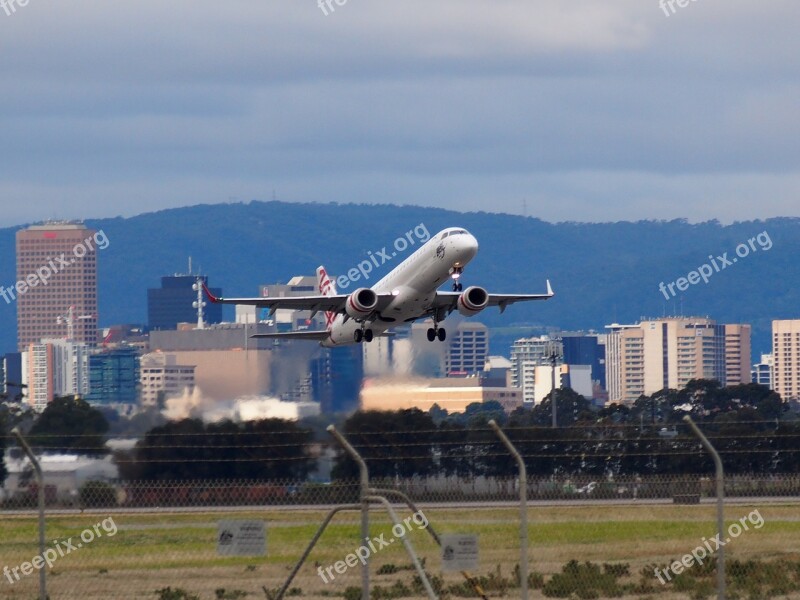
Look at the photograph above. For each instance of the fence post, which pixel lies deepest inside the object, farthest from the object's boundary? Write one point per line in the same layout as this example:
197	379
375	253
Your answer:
523	508
720	505
40	483
363	496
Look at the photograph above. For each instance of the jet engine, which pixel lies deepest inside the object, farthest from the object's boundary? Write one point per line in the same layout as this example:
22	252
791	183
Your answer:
472	301
361	303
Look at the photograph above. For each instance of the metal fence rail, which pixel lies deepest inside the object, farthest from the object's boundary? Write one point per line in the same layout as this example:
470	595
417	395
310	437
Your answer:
588	538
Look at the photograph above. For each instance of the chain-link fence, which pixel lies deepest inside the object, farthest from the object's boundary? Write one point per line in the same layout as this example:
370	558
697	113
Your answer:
631	537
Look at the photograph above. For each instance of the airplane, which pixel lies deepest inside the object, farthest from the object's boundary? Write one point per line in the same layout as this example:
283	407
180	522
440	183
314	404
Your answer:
408	293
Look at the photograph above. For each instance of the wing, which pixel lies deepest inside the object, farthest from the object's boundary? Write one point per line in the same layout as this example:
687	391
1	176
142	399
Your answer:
449	300
295	335
307	335
335	303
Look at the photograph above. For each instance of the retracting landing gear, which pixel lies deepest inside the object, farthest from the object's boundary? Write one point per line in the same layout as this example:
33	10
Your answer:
457	287
437	332
363	335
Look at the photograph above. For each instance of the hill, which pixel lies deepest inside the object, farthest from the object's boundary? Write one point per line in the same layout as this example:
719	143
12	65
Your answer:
601	272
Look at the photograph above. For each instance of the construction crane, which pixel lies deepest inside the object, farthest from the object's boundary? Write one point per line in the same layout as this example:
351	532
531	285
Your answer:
69	318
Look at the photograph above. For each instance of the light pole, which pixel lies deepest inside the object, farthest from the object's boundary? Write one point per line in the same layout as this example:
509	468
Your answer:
553	359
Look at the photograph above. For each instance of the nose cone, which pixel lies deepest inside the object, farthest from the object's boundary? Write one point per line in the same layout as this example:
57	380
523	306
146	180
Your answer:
467	247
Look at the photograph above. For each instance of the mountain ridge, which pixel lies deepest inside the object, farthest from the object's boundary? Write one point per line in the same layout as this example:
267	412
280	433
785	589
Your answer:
601	272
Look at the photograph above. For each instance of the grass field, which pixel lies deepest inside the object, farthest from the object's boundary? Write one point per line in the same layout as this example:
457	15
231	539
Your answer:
150	552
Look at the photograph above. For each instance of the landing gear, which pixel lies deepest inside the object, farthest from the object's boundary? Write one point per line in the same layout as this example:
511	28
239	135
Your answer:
455	275
363	335
437	332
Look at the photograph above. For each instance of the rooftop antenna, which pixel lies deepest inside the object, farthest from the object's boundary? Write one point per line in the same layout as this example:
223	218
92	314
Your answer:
199	304
190	265
524	207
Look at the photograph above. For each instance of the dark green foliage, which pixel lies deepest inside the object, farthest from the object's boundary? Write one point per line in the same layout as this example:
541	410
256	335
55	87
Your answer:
389	443
69	425
191	450
97	494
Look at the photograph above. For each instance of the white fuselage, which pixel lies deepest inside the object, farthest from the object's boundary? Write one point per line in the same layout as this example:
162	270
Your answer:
413	283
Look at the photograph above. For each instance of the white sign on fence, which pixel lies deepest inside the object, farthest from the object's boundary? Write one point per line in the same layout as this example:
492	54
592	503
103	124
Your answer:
241	538
459	552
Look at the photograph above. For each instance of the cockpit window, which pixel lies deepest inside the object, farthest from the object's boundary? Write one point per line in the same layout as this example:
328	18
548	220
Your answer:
458	232
445	234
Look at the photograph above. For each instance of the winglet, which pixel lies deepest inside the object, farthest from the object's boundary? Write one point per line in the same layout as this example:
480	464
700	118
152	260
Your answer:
550	291
211	296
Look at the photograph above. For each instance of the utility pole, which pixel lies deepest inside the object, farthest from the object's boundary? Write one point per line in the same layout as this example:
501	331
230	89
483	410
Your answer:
553	360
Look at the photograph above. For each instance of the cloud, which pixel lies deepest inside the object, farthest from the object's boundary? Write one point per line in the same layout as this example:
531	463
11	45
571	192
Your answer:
115	109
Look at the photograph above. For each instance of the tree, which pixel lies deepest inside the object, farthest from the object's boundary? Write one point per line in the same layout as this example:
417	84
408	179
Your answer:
192	450
70	425
398	443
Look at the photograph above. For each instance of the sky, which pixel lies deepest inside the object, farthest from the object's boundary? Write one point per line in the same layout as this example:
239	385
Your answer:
567	110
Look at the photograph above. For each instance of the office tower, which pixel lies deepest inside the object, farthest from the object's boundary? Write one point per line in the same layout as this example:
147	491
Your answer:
664	353
526	355
172	303
55	368
467	349
56	289
762	371
786	358
114	378
737	354
586	349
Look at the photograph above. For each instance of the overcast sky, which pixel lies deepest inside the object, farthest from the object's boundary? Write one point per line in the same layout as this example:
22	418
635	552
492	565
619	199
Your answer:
584	110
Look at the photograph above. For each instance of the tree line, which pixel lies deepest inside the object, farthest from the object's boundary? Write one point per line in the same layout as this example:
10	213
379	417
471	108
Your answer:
751	426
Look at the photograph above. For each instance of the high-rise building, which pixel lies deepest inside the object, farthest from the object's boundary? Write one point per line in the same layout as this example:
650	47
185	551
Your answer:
786	357
468	347
162	378
56	290
664	353
762	371
526	355
55	368
114	378
737	354
172	303
586	349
